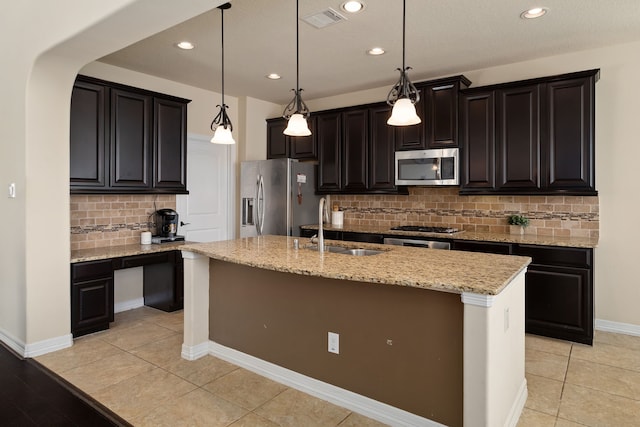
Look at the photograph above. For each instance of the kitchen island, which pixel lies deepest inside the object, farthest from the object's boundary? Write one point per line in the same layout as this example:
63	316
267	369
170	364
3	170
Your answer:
425	337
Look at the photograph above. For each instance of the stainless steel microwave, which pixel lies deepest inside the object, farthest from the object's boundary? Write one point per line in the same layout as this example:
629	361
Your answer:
427	167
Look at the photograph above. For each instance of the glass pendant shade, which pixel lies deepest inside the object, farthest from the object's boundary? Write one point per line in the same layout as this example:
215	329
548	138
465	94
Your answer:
222	135
403	113
297	126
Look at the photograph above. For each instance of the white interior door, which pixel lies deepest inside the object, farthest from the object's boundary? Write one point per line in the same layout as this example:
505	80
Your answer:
207	210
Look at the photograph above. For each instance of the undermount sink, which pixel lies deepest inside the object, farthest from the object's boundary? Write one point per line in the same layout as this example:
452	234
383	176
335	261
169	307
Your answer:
362	252
345	251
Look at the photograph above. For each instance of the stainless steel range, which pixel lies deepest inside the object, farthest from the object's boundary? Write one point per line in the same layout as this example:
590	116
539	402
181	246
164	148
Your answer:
417	241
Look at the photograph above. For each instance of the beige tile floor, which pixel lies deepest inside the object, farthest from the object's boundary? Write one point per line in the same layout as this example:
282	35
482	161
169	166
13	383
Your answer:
136	370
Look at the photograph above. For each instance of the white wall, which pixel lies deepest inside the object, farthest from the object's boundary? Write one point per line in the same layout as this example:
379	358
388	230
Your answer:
255	128
617	290
36	86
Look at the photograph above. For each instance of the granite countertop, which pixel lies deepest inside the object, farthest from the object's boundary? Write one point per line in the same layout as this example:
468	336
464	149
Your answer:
574	242
122	251
450	271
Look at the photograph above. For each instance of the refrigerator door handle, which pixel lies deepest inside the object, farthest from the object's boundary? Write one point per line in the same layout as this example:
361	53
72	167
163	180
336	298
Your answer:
260	202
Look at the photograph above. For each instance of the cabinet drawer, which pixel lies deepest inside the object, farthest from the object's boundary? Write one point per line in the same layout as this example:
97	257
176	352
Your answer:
553	255
487	247
142	260
362	237
91	270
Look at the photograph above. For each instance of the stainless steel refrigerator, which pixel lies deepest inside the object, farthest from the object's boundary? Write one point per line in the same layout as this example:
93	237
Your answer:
277	196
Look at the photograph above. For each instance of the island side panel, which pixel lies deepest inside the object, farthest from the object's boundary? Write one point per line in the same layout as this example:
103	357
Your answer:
398	345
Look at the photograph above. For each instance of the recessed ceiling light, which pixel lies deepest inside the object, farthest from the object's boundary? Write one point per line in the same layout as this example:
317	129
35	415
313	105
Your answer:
352	6
185	45
375	51
273	76
536	12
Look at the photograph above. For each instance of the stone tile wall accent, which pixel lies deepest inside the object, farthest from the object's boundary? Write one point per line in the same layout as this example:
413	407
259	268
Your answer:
562	216
112	220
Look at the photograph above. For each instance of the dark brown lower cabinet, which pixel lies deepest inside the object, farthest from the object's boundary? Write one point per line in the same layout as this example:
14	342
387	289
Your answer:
559	292
92	296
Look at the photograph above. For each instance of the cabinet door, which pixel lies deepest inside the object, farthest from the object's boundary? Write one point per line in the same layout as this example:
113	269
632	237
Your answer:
570	134
411	137
91	305
305	147
130	140
329	152
87	135
277	142
381	150
518	138
170	144
478	145
558	302
441	115
355	125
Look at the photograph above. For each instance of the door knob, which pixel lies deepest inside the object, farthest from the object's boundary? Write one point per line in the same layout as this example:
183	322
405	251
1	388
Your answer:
182	224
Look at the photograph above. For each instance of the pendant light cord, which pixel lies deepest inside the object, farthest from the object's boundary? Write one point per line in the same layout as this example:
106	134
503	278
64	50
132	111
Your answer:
222	39
297	55
404	32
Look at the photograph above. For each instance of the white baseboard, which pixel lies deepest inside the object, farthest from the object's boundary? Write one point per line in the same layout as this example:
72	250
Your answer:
196	351
38	348
355	402
618	327
47	346
128	305
518	406
12	342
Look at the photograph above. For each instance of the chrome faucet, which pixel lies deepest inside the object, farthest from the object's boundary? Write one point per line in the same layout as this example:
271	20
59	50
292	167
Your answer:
320	220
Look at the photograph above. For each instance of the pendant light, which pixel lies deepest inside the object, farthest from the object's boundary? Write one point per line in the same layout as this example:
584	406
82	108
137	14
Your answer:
403	95
221	124
296	111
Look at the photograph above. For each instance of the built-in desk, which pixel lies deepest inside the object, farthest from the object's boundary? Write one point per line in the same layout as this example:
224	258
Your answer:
92	293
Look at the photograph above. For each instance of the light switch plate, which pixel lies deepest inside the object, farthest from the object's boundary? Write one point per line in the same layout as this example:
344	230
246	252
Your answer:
334	343
12	190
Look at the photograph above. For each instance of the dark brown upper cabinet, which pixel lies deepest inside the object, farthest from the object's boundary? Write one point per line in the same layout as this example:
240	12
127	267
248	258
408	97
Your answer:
518	138
438	109
381	149
569	133
280	145
477	128
355	146
329	136
441	99
125	140
356	151
543	141
130	142
87	135
169	157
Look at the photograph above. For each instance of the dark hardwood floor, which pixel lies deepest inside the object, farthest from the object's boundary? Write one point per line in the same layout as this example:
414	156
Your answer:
30	395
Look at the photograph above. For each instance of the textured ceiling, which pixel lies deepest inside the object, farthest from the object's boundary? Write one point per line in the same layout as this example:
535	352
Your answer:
444	37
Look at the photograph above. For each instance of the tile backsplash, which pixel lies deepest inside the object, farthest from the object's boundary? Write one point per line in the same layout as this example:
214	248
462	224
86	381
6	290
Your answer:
112	220
566	216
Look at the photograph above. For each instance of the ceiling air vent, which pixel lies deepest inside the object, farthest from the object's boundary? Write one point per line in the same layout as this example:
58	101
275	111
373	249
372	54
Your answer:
323	19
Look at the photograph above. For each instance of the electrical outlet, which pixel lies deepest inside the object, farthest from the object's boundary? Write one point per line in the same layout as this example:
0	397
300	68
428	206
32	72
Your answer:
12	190
334	343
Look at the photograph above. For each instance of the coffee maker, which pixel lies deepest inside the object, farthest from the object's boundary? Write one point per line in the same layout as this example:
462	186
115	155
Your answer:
166	226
